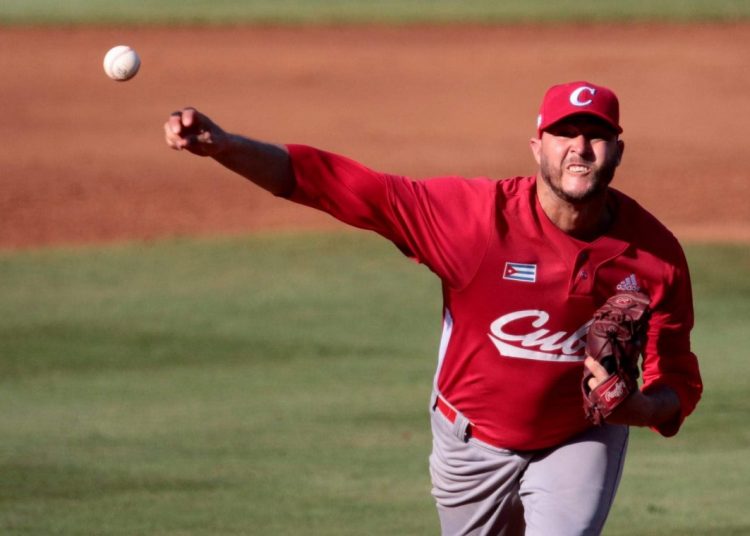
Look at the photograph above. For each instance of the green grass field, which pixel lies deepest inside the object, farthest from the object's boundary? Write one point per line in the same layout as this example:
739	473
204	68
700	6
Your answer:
278	385
363	11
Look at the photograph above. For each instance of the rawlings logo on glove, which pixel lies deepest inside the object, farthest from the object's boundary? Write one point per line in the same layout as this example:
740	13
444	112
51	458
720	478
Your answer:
615	339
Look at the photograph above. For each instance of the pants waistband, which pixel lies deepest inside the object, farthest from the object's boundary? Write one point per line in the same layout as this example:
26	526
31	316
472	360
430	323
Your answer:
470	430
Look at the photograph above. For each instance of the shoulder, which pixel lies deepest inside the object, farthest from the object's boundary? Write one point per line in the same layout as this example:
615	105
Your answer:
520	189
474	195
455	189
641	224
517	186
644	231
506	188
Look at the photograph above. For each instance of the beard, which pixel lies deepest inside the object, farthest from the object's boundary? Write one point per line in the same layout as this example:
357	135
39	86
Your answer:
600	179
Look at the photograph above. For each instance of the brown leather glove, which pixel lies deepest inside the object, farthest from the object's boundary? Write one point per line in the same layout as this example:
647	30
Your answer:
615	339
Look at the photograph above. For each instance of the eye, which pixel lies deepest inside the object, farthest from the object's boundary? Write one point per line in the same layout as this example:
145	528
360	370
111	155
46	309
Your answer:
564	131
600	134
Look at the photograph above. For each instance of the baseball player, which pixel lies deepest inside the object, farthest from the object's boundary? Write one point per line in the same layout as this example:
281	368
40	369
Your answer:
524	263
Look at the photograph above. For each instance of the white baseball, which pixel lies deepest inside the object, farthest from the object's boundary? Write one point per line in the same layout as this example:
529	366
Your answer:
121	63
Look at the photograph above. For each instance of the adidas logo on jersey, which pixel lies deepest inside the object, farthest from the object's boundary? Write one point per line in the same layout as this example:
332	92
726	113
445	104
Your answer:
629	284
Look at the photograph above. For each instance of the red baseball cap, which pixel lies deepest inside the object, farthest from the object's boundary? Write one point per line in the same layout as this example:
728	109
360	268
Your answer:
576	98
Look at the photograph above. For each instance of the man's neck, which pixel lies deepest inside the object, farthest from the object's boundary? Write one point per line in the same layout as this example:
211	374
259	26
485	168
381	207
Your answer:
584	221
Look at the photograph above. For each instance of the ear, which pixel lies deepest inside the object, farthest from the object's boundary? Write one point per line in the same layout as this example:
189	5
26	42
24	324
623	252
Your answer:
620	150
536	148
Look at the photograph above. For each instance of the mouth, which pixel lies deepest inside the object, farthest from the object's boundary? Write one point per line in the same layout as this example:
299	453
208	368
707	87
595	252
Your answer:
578	168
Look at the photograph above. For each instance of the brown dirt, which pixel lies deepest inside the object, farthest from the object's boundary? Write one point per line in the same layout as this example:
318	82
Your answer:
83	158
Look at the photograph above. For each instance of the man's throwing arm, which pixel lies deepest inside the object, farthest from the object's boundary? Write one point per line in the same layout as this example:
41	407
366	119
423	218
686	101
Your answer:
264	164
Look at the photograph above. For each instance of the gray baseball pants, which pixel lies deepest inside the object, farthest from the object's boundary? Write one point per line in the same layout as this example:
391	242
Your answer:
481	490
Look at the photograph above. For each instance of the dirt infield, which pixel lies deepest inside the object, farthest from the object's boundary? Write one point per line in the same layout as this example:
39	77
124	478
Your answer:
83	159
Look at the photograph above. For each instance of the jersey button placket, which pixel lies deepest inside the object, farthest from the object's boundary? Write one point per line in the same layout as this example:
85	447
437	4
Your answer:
582	282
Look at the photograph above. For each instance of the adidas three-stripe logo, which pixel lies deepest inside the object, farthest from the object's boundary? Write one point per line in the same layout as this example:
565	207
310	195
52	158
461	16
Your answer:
629	284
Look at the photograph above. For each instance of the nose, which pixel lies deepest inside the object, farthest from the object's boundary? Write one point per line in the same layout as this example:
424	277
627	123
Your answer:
580	144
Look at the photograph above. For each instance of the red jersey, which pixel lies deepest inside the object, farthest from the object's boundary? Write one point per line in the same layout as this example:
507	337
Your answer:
518	292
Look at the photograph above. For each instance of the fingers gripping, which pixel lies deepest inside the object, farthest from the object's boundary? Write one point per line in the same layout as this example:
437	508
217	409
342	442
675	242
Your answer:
191	130
598	372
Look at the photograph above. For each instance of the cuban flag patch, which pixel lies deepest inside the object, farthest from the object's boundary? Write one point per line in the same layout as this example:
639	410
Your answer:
516	271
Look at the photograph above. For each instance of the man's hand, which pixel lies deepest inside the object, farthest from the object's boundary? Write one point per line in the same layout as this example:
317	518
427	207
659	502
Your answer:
639	409
265	164
191	130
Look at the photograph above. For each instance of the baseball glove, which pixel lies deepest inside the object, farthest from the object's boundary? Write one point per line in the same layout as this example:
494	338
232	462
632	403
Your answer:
615	339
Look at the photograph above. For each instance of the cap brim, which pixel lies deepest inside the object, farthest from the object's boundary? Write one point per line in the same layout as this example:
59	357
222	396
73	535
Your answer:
606	120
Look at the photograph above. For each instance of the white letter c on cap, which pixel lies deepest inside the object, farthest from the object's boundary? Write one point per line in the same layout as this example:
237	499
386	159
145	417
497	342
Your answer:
575	97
